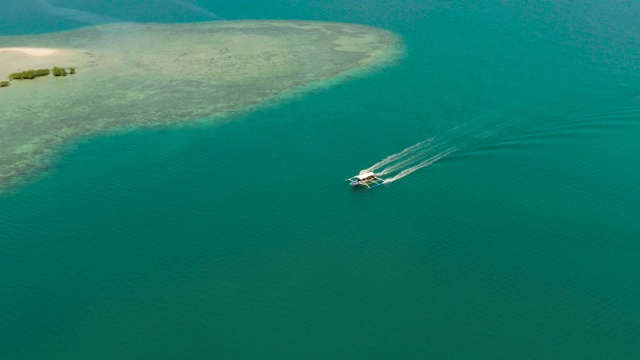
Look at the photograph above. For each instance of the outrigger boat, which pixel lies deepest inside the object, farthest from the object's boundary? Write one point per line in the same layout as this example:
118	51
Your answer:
368	179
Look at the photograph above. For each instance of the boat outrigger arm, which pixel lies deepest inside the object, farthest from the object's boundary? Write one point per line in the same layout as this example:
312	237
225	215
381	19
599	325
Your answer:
368	179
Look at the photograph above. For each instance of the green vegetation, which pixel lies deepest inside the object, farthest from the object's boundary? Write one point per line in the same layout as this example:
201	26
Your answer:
32	74
58	71
29	74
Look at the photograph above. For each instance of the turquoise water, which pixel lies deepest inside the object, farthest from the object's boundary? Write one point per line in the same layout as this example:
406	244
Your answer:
240	240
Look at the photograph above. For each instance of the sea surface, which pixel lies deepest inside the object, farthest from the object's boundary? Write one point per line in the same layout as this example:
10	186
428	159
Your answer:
240	240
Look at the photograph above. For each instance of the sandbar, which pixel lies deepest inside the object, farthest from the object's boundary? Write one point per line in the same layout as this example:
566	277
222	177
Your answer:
30	51
148	75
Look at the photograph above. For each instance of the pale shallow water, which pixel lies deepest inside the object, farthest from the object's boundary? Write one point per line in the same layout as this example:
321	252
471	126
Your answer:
215	241
144	75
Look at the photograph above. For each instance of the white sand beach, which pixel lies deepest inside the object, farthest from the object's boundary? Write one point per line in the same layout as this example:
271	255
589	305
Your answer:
31	51
15	59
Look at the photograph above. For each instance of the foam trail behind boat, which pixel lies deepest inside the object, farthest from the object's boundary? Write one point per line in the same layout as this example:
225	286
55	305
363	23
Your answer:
408	160
75	14
197	9
91	18
462	136
421	165
398	156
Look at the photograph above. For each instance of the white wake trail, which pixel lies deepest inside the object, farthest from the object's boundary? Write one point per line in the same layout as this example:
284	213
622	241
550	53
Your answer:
197	9
91	18
395	157
466	135
421	165
408	160
75	14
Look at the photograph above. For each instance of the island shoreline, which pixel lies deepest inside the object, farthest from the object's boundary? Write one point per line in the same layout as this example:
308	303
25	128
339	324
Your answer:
363	50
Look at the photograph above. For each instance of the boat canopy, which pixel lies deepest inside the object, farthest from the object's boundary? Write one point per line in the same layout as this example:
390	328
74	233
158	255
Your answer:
365	175
367	179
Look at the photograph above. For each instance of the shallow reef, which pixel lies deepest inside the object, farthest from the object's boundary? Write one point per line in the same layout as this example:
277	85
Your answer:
147	75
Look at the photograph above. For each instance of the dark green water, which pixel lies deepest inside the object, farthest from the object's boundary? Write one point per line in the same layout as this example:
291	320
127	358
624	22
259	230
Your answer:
240	240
